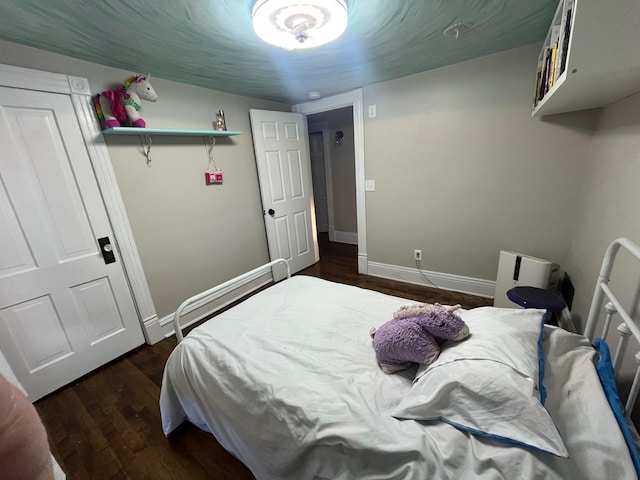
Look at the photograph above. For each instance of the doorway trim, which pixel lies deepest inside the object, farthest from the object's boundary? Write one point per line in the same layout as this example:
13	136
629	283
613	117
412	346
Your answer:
77	88
354	100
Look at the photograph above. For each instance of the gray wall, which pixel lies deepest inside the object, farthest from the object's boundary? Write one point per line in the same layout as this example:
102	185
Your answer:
343	174
190	236
462	170
609	200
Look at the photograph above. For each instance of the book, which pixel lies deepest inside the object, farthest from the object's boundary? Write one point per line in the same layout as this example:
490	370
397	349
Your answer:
552	67
566	37
553	44
538	79
544	80
563	22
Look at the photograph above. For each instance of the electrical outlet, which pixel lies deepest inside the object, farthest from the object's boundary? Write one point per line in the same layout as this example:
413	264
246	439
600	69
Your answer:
417	254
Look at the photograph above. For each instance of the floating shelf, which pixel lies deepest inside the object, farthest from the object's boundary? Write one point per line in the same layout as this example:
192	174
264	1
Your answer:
168	131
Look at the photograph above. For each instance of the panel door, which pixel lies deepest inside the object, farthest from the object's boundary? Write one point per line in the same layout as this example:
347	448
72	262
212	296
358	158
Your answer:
284	170
63	310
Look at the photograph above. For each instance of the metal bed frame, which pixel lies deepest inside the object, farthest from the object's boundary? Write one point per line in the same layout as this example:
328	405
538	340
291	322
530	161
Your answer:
627	325
219	290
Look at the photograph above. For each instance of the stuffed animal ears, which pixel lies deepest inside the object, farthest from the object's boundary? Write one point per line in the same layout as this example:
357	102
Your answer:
142	78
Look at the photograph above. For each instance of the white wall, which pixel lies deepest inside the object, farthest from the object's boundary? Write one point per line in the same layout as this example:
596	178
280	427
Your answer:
190	236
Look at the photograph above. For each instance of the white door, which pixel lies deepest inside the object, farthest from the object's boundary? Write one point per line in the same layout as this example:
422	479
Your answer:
284	170
63	310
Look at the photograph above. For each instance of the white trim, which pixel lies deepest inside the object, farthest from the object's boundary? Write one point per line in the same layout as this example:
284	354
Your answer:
345	237
328	177
226	297
28	79
445	281
114	204
353	99
80	93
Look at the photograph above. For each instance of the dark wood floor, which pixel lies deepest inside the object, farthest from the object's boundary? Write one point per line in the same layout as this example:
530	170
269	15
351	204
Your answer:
107	424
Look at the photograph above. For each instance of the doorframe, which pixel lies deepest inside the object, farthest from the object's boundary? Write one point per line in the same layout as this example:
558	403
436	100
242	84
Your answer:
323	128
349	99
77	88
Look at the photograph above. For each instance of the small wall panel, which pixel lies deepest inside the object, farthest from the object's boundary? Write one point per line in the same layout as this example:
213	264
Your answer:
276	176
302	233
282	235
295	174
37	332
53	178
97	306
270	131
291	131
15	255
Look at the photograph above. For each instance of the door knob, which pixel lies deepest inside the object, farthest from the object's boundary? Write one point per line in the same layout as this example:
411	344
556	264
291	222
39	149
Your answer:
107	250
271	212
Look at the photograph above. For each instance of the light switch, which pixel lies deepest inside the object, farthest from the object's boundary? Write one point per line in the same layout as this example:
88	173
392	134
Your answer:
369	185
372	111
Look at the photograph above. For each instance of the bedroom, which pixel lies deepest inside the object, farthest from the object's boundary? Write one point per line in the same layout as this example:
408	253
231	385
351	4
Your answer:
461	135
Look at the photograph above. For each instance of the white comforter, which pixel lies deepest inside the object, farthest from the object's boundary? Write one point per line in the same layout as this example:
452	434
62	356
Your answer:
296	395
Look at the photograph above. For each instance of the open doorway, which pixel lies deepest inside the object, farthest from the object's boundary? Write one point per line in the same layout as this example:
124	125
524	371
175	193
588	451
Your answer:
332	153
346	103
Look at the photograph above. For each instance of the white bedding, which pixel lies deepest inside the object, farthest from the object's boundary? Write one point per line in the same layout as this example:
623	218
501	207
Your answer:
287	381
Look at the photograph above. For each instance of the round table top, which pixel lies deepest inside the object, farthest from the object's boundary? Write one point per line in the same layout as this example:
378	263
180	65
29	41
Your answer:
534	297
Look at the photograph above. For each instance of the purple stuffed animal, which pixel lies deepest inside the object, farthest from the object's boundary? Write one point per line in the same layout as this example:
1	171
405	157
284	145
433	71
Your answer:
403	341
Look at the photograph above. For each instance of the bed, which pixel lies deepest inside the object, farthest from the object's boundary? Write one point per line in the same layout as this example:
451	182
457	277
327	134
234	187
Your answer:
287	381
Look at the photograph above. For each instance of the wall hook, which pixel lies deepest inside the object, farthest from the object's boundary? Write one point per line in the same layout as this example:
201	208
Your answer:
145	141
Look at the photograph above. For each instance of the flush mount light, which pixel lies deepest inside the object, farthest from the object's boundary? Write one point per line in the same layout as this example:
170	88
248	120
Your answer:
295	24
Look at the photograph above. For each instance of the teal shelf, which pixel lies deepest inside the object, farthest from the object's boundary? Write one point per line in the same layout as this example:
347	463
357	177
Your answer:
168	131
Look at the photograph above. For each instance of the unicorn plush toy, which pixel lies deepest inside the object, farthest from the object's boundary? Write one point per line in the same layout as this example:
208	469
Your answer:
121	105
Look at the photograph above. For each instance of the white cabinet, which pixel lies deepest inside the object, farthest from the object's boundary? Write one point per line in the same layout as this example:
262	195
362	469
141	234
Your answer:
602	56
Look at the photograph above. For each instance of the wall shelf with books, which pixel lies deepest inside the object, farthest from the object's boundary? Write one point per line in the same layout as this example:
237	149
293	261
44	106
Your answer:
590	57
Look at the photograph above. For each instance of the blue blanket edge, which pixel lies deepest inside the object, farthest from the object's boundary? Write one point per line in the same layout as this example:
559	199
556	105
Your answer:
605	371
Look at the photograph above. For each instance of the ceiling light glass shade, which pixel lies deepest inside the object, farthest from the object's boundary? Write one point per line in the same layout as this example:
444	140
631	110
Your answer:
292	24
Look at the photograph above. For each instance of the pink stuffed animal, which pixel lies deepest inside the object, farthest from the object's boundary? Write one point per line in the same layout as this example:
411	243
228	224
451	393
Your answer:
121	105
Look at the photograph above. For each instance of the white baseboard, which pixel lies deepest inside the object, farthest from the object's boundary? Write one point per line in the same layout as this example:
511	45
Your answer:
446	281
152	329
345	237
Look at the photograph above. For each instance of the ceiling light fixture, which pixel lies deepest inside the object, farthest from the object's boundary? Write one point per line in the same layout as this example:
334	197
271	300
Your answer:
292	24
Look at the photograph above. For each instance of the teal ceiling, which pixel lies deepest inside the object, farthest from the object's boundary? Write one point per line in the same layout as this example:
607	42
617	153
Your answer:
211	43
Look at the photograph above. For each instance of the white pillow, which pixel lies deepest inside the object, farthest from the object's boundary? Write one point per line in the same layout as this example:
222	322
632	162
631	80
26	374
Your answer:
489	384
510	336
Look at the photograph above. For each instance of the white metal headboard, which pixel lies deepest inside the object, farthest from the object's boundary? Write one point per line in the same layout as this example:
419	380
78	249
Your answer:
627	325
218	290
